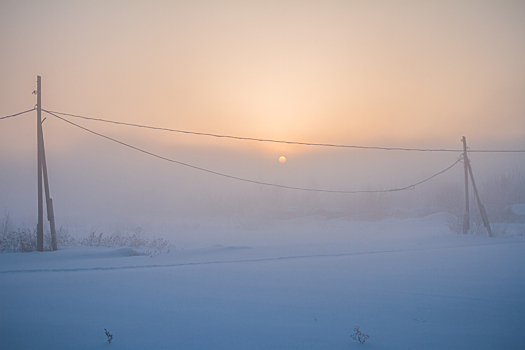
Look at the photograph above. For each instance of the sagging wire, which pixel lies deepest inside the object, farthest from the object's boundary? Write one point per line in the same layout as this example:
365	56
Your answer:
410	187
17	114
258	139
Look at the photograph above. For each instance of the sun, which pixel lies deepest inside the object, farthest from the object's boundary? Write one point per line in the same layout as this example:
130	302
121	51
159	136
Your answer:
282	159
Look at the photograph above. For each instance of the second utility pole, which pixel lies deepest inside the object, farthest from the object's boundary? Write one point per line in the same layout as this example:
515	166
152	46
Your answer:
468	171
466	217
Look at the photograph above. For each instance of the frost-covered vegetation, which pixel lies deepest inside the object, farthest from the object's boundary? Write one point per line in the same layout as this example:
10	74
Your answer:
134	240
24	240
16	240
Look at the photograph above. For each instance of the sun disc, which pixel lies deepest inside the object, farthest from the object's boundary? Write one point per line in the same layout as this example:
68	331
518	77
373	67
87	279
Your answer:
282	159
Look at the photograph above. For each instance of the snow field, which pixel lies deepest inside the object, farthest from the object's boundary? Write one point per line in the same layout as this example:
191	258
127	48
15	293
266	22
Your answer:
409	284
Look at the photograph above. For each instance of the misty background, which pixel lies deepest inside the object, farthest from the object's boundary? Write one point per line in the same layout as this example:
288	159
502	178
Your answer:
375	74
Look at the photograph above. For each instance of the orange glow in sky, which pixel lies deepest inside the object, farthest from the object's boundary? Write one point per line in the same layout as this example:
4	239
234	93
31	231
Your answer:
417	74
354	72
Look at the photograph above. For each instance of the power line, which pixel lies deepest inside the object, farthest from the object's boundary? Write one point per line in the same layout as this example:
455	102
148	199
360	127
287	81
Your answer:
258	139
284	141
496	150
410	187
275	141
14	115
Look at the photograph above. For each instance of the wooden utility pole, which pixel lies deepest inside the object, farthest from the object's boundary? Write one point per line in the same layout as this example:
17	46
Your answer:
466	217
42	171
484	216
49	201
40	225
468	170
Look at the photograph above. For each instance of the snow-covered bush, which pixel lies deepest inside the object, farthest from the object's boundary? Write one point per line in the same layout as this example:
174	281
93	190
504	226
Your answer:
64	238
135	240
18	241
24	240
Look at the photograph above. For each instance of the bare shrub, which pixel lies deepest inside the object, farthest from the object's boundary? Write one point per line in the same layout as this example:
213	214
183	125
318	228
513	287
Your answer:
18	241
109	335
64	238
24	240
135	240
359	336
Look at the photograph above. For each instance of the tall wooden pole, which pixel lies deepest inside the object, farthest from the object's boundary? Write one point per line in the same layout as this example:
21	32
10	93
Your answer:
484	216
40	225
466	217
49	201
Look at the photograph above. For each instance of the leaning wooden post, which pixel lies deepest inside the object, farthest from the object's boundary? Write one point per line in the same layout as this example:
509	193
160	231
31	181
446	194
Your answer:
40	225
49	201
481	207
466	217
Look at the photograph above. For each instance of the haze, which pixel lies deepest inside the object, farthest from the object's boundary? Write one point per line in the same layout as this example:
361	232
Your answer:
391	74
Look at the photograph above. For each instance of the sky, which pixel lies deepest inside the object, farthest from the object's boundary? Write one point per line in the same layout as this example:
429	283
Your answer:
374	73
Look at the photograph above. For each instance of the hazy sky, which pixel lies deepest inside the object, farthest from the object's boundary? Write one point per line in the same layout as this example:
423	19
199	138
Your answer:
392	73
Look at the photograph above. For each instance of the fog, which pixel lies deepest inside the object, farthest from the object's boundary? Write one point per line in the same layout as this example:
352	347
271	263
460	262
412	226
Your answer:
98	183
380	74
168	240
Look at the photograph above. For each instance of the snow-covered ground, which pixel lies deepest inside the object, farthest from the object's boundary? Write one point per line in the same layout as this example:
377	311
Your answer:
297	284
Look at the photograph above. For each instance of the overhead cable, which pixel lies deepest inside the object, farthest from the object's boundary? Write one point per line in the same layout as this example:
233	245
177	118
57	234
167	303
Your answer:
410	187
283	141
14	115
